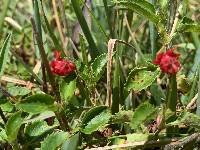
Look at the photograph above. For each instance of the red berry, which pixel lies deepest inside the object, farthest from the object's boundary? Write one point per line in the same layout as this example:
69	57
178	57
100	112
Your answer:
168	62
60	66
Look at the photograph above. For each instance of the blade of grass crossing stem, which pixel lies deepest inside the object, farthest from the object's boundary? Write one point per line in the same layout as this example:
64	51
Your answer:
198	99
51	34
60	115
4	53
93	48
152	35
3	13
37	18
36	24
108	15
172	93
101	29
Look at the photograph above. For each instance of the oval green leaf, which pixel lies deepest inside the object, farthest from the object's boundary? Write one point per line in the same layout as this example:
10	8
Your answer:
92	113
37	128
141	114
13	125
37	103
54	140
97	123
141	78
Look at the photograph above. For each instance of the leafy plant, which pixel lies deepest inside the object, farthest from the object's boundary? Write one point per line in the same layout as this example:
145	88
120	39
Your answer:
120	74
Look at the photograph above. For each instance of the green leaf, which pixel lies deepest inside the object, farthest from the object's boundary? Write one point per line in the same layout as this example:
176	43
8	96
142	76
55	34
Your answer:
18	91
13	125
67	89
98	66
50	32
188	28
122	117
142	7
188	119
6	105
3	136
36	14
97	123
186	45
54	140
37	103
141	114
85	73
72	143
92	113
41	116
37	128
141	78
4	53
163	4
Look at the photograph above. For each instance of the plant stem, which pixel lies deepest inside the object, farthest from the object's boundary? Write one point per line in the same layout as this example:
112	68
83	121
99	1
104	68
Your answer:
152	33
108	18
61	117
198	99
172	93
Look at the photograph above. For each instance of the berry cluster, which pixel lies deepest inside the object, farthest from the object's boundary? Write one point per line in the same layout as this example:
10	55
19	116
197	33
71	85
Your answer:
168	62
60	66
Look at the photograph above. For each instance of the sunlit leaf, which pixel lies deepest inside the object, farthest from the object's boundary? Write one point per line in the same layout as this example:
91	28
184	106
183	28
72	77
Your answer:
13	125
37	128
98	66
4	53
142	7
141	78
54	140
97	123
141	114
92	113
37	103
71	143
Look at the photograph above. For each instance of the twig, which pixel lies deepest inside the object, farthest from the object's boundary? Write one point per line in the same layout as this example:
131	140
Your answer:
64	18
58	23
181	144
133	37
111	45
36	69
194	99
74	47
174	25
17	81
136	145
44	85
